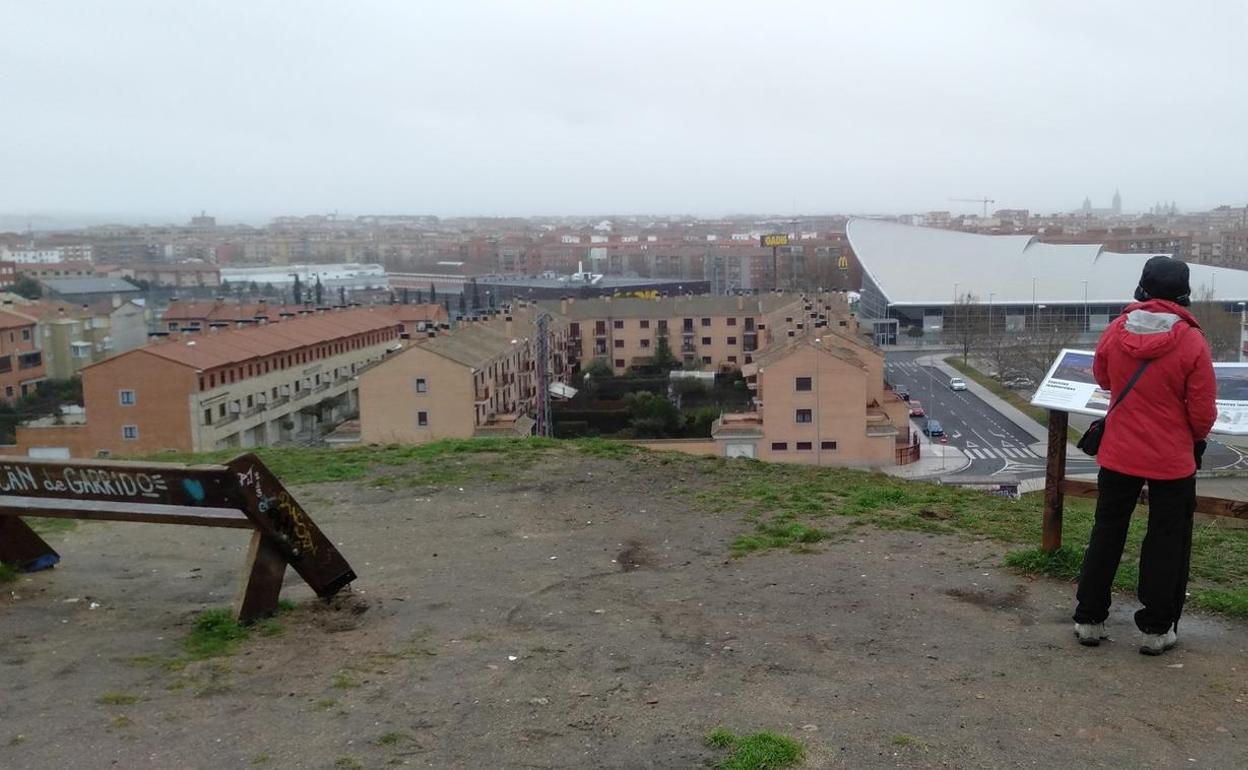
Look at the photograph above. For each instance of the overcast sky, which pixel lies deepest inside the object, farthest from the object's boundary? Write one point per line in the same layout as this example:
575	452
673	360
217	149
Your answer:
251	108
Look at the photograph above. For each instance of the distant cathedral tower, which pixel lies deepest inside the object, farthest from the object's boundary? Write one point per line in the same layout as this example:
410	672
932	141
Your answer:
1117	202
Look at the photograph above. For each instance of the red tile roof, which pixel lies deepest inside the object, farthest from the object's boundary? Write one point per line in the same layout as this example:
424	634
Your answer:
14	320
221	310
209	350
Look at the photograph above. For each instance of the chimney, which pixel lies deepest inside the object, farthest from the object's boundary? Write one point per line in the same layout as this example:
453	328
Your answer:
509	327
60	311
116	301
740	302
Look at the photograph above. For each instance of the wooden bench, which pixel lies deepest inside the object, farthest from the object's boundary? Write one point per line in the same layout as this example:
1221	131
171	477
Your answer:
241	494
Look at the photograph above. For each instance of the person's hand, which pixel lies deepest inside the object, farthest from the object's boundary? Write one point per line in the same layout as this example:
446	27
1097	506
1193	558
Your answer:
1200	451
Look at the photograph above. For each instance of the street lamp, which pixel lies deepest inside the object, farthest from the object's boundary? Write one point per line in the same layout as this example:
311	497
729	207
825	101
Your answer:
1242	308
1086	326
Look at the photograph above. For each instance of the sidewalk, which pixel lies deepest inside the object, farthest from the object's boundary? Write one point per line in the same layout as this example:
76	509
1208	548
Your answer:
935	459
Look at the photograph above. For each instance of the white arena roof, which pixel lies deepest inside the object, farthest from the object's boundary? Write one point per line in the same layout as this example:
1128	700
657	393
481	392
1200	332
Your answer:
920	266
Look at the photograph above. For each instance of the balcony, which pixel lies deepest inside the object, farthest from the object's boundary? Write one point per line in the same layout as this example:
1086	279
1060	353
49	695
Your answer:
275	402
255	410
29	360
341	381
300	394
322	387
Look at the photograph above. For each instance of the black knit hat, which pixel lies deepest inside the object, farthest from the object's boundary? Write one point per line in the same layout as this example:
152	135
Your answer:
1165	278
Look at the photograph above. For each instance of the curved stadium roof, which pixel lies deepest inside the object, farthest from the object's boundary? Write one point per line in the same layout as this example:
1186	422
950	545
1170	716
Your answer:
920	266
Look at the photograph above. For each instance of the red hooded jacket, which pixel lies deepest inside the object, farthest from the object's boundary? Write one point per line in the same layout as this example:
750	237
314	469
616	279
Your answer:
1152	432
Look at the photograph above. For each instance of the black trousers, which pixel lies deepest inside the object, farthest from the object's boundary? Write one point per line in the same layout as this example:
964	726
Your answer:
1165	556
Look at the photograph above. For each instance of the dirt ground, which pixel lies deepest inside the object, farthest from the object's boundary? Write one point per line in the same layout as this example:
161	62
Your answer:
584	617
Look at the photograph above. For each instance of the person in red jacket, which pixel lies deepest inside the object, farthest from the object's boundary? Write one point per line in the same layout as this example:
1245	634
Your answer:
1155	435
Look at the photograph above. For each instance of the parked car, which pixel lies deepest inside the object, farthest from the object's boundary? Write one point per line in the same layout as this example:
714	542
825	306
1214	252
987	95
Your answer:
957	383
916	408
933	429
902	392
1019	383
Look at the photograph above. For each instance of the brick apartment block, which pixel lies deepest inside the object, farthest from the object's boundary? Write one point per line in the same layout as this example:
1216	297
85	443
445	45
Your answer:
21	360
241	387
478	380
708	331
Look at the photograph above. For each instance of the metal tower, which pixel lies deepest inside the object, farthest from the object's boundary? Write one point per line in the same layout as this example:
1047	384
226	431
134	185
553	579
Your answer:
545	427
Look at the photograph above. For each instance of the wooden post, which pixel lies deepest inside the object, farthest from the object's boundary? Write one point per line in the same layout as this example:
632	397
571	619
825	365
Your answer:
1054	475
21	547
265	570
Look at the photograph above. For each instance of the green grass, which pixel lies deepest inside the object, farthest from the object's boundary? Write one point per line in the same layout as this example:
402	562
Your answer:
1011	397
46	526
8	573
347	763
344	681
777	534
216	633
297	465
761	751
902	740
117	699
390	739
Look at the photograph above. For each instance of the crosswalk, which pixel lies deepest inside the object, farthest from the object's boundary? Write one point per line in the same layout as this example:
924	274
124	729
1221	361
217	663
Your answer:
1004	453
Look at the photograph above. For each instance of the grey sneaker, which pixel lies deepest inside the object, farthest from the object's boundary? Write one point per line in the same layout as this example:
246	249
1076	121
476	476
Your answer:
1156	644
1090	634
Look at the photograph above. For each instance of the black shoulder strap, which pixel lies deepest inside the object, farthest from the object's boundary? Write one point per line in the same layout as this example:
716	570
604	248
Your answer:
1130	384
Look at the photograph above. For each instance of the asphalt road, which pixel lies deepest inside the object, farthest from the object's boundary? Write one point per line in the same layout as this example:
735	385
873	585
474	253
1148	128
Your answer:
993	443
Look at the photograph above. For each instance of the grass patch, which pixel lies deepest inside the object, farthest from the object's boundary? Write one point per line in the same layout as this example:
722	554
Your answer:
324	704
8	573
50	526
777	534
344	681
1063	564
286	605
123	721
348	763
216	633
1232	602
761	751
391	739
17	740
117	699
901	740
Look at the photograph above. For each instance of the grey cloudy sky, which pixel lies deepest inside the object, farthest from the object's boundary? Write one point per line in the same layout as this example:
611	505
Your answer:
252	108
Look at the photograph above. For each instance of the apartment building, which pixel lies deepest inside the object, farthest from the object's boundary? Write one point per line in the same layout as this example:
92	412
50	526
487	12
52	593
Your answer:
820	399
74	336
179	274
21	360
181	315
479	380
707	331
242	387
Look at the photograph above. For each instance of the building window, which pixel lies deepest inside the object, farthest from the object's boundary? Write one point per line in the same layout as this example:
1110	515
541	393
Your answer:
688	324
129	432
706	340
803	446
706	359
804	415
600	327
732	340
801	383
421	385
619	363
779	446
662	325
207	417
732	359
732	321
422	419
749	359
126	397
8	391
645	323
619	343
827	445
617	324
645	343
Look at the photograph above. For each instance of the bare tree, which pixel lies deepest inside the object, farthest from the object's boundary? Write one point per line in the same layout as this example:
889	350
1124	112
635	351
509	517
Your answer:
967	327
1221	328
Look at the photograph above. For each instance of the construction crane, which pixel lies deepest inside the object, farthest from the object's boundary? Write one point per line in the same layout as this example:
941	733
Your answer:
984	201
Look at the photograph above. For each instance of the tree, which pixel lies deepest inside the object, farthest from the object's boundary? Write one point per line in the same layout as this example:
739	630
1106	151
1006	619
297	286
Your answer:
297	292
1221	328
405	297
226	287
651	415
28	287
463	308
433	294
420	299
320	297
967	326
476	295
664	359
268	290
253	288
490	297
342	295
